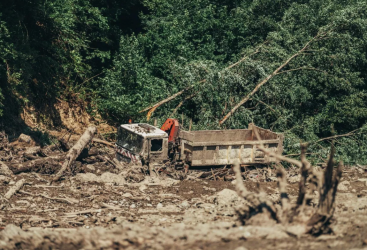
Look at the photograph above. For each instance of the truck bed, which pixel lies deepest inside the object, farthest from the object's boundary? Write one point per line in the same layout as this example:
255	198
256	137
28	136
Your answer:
225	147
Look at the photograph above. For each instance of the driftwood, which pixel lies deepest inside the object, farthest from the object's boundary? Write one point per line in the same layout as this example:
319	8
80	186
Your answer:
4	169
113	162
76	150
64	200
29	166
103	142
295	214
14	189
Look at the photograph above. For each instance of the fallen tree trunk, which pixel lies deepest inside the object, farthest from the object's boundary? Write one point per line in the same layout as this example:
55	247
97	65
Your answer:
30	166
14	189
74	152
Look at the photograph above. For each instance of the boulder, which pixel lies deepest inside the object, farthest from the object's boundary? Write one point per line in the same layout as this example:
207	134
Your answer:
26	139
4	169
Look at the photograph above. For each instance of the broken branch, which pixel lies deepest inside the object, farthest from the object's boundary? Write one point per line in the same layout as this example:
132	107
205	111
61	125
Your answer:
103	142
275	72
14	189
155	106
166	100
351	133
182	102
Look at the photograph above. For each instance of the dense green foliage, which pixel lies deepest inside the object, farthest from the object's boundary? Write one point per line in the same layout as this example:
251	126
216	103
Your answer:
142	52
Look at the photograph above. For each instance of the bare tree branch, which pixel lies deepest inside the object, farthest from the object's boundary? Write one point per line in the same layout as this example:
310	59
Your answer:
351	133
181	103
275	72
155	106
302	68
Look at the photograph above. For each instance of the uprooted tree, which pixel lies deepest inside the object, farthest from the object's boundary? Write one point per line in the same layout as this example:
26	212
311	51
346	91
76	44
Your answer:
302	214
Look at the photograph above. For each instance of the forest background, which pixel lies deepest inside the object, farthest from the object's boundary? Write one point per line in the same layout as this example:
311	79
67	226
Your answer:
297	67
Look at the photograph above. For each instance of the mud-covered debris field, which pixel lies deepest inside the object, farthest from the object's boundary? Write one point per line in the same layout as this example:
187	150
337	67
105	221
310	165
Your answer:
99	203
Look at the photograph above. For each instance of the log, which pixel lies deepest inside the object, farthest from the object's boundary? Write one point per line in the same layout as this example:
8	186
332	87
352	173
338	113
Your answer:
29	166
103	142
14	189
4	169
74	152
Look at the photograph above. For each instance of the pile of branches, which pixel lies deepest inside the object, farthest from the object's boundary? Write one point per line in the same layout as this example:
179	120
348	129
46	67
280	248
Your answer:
23	155
301	215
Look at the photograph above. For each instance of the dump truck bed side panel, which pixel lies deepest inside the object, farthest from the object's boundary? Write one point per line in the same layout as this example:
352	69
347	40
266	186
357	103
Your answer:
225	147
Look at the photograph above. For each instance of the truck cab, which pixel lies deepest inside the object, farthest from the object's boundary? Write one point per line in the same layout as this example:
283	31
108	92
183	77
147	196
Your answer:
141	143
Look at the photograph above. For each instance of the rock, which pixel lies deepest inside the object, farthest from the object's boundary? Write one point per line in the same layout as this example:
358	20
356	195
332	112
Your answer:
363	180
344	186
142	188
209	189
241	248
127	195
112	178
296	230
91	167
277	235
294	179
226	197
170	209
26	139
159	205
132	206
104	178
32	150
4	169
4	179
11	231
184	205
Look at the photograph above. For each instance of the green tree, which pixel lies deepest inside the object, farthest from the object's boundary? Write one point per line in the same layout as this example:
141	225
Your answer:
191	45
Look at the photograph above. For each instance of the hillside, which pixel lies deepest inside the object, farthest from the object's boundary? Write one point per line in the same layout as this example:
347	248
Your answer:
293	67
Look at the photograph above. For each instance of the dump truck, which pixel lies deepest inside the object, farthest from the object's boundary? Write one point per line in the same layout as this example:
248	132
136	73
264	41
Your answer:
145	144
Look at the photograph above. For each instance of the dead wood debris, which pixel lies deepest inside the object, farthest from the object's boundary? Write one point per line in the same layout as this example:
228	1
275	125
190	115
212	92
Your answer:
4	169
64	200
302	214
103	142
14	189
75	151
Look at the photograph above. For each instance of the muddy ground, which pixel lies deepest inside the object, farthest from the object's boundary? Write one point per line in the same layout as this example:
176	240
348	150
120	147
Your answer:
95	207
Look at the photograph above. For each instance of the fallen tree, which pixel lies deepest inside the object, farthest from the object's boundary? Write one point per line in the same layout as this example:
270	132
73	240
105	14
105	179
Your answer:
319	36
31	166
75	151
155	106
